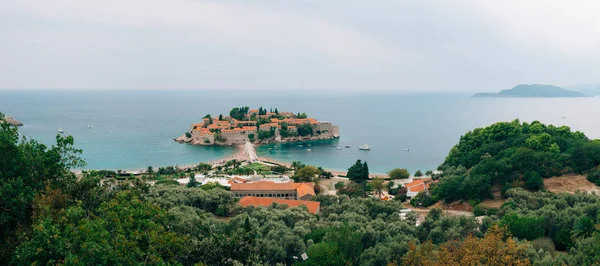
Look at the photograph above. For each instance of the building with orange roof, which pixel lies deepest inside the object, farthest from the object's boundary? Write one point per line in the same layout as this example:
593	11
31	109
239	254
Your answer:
413	188
312	206
268	189
253	111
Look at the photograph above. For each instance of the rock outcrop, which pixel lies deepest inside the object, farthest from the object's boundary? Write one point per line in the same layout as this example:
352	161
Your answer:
11	121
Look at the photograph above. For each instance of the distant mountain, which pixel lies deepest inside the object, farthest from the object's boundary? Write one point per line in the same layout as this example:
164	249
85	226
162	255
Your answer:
589	89
533	91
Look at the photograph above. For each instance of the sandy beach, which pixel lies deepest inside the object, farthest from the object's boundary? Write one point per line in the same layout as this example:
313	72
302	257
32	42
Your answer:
245	153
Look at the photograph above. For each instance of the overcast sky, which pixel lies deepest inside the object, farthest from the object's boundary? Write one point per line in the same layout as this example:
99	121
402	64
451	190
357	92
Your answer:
321	44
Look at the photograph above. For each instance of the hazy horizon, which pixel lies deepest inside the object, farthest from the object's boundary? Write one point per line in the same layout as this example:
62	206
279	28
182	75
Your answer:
403	46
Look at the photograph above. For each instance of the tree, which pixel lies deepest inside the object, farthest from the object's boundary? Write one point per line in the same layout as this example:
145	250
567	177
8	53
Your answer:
220	117
399	173
376	185
429	173
497	248
583	228
192	182
529	227
150	170
306	174
356	173
188	135
418	173
533	181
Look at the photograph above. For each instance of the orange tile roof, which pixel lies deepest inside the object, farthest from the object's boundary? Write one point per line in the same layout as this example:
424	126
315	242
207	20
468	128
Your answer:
291	127
253	111
312	206
304	188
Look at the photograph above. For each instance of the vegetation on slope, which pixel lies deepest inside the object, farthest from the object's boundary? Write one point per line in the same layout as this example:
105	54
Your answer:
513	154
48	216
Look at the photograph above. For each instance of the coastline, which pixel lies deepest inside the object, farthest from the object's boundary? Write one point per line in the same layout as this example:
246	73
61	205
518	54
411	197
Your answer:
242	154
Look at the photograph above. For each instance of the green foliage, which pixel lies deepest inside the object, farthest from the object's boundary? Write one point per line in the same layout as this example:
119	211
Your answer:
504	152
418	173
338	185
266	134
305	129
594	176
533	181
528	227
192	182
301	115
306	174
124	230
167	182
423	200
239	112
399	173
188	135
359	172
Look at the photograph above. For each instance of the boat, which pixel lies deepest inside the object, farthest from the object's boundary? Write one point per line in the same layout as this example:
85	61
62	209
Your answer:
364	147
90	126
347	146
339	148
60	130
406	150
308	145
300	145
308	150
334	146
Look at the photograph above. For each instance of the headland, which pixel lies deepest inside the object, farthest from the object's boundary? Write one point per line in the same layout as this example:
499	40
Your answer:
257	126
9	120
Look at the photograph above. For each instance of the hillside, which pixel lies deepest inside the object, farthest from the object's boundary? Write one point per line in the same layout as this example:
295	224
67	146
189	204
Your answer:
513	154
533	91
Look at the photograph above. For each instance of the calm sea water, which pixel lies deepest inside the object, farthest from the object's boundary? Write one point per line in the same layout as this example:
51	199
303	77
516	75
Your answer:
134	129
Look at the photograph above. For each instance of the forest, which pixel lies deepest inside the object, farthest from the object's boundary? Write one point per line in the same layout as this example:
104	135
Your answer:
50	216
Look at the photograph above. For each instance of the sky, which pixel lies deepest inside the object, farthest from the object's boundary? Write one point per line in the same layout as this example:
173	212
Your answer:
347	45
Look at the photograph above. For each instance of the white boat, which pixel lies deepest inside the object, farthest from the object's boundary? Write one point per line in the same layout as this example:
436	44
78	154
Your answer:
406	150
364	147
308	150
339	148
90	126
60	130
300	145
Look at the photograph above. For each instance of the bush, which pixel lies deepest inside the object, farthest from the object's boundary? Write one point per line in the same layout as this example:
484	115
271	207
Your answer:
188	135
399	173
418	173
423	199
339	185
594	176
479	210
167	182
533	181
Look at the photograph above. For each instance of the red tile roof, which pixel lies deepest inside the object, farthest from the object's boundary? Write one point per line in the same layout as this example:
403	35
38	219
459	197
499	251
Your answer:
302	189
312	206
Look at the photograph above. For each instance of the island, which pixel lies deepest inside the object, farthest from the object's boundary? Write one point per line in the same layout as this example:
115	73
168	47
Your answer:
258	126
532	91
9	120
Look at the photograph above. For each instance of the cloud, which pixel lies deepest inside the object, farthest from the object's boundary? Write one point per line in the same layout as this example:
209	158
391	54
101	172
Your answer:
388	45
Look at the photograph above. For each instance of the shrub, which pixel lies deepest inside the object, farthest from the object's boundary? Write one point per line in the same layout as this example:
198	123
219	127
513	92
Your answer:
533	181
338	185
188	135
423	199
594	176
167	182
479	210
399	173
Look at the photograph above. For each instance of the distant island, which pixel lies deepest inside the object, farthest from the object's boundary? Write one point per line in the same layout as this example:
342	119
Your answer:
532	91
259	126
9	120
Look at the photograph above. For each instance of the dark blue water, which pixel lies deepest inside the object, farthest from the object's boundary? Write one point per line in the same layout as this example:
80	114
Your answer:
134	129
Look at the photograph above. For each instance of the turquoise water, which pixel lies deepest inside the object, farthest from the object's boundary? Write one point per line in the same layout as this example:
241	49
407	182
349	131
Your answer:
134	129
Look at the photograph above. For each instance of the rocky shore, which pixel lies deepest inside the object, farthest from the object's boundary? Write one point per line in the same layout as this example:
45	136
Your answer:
192	141
11	121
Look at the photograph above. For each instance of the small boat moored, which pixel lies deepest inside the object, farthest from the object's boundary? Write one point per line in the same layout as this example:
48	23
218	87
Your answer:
60	130
308	150
364	147
347	146
339	148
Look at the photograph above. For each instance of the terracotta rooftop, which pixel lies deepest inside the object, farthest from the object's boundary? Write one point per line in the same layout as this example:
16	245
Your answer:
301	188
312	206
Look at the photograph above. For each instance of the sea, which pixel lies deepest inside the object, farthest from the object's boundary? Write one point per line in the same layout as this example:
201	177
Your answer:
133	129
